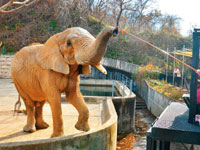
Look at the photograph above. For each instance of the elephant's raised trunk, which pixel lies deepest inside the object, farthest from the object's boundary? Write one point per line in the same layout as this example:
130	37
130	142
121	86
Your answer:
96	50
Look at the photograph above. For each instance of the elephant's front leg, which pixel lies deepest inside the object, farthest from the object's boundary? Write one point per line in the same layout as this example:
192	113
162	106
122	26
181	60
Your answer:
54	100
40	123
76	99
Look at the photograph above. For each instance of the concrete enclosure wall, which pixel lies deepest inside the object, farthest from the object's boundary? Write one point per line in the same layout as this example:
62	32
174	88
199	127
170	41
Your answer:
5	62
118	64
103	137
124	105
156	102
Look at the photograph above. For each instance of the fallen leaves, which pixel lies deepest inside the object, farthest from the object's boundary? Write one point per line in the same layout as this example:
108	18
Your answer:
126	143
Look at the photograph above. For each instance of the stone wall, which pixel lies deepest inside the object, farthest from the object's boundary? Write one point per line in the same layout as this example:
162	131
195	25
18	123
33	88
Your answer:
5	62
118	64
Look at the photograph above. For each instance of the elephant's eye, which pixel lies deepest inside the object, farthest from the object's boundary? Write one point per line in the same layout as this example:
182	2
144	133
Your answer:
69	43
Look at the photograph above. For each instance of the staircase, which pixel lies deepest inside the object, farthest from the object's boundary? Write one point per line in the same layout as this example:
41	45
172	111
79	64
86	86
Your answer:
140	104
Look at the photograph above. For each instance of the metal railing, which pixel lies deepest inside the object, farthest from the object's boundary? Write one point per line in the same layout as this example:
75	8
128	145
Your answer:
113	74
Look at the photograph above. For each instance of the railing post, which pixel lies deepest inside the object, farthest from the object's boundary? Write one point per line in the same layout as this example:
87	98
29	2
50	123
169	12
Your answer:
131	86
123	89
182	83
113	86
167	65
174	66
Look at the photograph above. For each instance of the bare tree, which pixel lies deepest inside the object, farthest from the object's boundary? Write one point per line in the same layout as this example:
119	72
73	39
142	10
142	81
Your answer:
123	5
130	9
14	5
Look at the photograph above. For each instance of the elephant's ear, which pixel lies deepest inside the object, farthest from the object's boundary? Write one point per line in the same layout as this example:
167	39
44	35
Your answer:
86	69
50	57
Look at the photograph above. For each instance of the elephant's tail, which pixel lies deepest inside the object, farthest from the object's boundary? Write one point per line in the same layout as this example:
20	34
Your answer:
17	105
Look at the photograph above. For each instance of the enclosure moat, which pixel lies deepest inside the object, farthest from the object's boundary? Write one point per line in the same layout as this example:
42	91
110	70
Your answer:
98	90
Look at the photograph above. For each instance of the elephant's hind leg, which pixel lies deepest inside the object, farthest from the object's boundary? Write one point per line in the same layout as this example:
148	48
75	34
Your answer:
40	123
30	126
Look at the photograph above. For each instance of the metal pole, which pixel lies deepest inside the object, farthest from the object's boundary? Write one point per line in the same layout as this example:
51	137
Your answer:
131	86
183	67
167	65
123	89
174	65
113	86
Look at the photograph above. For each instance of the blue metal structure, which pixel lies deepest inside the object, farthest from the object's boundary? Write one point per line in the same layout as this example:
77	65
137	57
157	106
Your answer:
193	85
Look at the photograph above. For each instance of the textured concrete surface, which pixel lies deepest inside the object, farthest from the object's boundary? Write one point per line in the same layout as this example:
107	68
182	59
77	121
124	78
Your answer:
102	135
5	62
124	105
155	101
14	124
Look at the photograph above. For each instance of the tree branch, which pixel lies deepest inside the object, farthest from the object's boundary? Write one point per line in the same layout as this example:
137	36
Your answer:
23	4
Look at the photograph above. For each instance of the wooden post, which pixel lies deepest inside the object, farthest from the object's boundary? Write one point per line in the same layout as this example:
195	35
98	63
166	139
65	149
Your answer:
193	84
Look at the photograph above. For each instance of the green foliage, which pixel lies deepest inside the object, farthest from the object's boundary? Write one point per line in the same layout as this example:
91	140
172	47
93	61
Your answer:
52	25
130	60
112	54
6	49
148	72
134	75
167	89
14	26
92	20
96	24
151	74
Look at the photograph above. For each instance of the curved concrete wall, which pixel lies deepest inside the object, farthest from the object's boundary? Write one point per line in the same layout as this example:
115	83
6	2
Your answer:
124	105
101	138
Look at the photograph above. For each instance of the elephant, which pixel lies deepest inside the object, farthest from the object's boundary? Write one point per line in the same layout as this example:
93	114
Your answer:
41	72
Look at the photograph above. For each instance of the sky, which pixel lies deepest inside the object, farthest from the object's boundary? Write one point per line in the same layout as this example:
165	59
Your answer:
188	10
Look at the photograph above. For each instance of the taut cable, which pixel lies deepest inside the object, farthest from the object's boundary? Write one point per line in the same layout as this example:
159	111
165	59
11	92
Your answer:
157	48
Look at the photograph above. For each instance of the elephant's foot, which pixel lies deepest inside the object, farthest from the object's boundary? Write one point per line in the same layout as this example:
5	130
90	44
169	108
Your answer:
29	129
41	125
83	126
57	134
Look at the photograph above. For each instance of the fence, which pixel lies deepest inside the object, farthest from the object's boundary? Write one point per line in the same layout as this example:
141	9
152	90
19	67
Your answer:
113	74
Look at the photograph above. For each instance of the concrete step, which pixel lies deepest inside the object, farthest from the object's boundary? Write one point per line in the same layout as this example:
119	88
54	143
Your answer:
140	105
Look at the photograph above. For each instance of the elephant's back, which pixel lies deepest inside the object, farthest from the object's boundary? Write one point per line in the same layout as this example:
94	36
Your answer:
24	69
25	58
